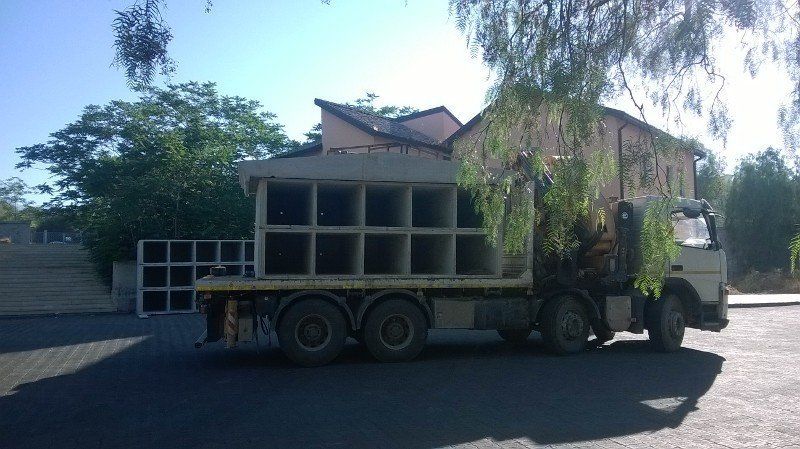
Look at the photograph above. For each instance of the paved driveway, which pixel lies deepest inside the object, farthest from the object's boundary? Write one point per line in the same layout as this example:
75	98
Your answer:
118	381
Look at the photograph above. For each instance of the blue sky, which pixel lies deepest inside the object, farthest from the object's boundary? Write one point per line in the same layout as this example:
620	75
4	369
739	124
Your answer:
56	58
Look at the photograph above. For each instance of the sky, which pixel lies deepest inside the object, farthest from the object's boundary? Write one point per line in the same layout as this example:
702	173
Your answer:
55	58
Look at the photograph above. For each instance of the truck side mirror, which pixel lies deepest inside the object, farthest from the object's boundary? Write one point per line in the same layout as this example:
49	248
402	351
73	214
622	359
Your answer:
691	213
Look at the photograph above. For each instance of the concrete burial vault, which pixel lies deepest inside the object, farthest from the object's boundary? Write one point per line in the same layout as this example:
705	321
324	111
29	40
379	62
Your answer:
358	215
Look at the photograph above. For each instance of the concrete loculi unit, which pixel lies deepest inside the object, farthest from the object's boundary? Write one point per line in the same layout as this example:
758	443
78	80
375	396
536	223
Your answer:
166	270
365	216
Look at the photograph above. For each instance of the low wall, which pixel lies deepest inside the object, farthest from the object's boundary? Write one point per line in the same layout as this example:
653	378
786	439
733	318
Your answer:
123	285
18	231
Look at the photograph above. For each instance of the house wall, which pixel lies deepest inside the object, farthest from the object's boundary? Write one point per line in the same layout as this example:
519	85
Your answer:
337	133
613	132
440	126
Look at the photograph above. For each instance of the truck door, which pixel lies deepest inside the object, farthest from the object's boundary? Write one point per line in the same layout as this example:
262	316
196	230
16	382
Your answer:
701	259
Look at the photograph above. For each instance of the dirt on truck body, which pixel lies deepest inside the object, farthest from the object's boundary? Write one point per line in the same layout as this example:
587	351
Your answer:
382	247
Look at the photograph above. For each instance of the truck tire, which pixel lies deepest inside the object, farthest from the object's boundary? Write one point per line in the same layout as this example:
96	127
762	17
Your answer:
666	323
564	326
395	331
514	335
602	333
312	332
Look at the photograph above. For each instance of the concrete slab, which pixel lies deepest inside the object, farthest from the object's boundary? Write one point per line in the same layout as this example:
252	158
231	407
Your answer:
740	301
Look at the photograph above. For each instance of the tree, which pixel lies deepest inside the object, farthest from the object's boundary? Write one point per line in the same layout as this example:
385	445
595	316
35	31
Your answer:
560	59
365	104
13	202
712	183
763	207
160	167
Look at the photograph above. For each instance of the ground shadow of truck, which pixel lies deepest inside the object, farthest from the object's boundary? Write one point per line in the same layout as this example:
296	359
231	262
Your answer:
466	387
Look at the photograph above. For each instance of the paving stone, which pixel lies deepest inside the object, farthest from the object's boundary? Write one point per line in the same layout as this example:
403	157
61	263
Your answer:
115	381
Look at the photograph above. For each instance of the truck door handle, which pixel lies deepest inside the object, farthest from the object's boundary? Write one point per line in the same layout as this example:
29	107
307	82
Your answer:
676	268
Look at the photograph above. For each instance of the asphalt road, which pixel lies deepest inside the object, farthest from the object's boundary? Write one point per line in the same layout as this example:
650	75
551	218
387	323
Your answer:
119	381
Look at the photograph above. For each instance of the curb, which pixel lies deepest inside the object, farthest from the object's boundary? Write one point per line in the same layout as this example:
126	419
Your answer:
763	304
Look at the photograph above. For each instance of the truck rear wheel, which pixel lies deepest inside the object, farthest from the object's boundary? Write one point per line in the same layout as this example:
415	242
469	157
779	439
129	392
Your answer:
564	325
395	331
514	335
666	323
312	332
602	333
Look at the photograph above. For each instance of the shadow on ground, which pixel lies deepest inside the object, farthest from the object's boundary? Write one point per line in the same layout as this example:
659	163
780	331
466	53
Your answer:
466	386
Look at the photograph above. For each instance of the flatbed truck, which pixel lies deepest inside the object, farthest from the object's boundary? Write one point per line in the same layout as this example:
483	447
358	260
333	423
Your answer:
383	247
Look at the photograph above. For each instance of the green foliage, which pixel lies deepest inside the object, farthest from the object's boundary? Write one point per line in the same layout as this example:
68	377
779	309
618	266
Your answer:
762	209
657	246
141	37
14	206
555	61
794	249
569	200
164	166
712	183
488	198
367	104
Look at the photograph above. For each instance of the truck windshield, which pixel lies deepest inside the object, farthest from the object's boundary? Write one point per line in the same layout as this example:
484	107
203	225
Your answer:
692	232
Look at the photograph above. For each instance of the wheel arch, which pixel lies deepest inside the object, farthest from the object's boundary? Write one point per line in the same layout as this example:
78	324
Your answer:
325	295
687	294
374	299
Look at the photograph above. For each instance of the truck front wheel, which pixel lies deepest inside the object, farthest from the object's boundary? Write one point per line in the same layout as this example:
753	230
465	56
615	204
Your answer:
564	325
312	332
666	323
395	331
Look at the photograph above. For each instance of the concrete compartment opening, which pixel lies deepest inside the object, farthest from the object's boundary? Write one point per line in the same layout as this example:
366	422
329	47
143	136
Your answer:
338	254
249	251
180	251
154	301
181	300
154	252
386	206
154	276
289	203
233	270
432	254
287	253
386	254
202	271
432	207
467	217
206	251
338	205
230	251
475	256
181	276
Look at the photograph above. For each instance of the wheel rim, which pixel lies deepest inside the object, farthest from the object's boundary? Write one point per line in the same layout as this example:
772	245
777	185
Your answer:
571	325
675	324
396	332
313	332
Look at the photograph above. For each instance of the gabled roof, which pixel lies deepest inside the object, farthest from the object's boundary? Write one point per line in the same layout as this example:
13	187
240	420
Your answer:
304	150
379	126
430	111
622	115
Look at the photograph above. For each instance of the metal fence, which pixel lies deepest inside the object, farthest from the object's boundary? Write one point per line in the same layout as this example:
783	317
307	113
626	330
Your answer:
67	238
